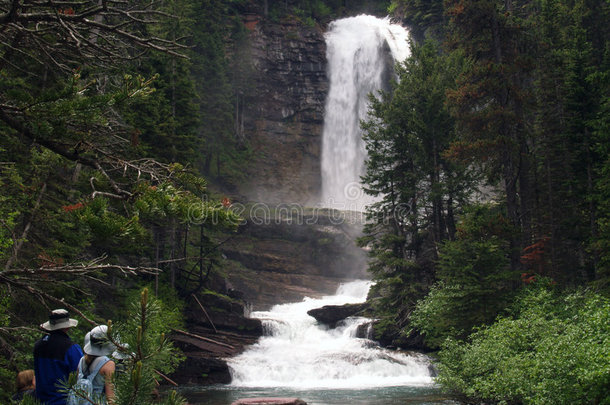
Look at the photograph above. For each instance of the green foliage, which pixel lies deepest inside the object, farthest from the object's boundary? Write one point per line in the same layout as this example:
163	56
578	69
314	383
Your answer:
156	204
141	339
419	190
108	229
424	17
554	349
82	138
601	123
6	374
474	278
10	183
149	350
17	343
29	400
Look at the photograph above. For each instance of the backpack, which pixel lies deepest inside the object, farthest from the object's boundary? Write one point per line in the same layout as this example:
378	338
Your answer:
84	382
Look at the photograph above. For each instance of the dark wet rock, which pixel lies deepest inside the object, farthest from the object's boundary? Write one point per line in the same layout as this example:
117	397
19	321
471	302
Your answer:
224	313
392	337
365	330
330	315
283	113
209	339
199	368
285	256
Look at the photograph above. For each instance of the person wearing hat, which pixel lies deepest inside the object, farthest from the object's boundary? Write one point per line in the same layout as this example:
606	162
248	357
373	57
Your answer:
96	363
55	357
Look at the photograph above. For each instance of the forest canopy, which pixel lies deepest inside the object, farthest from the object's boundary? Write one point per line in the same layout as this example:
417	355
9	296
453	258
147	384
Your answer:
495	137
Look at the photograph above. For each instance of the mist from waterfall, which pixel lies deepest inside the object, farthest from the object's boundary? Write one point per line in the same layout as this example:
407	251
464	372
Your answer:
299	353
357	54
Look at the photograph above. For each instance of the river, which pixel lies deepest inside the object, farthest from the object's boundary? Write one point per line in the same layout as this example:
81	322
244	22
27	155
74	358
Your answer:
297	357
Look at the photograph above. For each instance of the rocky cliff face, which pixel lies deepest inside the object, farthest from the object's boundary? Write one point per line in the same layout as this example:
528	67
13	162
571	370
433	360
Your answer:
283	258
284	111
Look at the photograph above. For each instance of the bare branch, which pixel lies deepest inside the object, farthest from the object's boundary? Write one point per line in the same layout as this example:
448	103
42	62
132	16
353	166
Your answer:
42	296
12	330
28	279
19	243
79	269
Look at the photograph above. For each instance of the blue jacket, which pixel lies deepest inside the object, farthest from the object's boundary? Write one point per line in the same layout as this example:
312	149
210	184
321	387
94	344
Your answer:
55	357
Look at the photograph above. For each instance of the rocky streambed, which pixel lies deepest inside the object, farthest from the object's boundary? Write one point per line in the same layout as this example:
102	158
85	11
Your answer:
276	257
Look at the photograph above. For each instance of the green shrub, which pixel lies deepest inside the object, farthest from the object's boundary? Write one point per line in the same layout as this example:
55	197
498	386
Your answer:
552	350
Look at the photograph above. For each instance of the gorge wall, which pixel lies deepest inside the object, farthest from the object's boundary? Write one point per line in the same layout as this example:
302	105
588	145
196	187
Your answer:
283	114
281	258
286	257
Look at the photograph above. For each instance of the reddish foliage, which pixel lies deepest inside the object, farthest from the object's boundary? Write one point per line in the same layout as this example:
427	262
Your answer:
135	137
528	278
226	202
250	22
464	151
533	255
48	261
73	207
456	9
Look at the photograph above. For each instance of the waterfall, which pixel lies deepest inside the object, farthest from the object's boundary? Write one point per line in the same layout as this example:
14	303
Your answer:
298	353
357	54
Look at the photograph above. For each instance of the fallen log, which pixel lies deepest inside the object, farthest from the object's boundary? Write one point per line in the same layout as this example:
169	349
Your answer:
204	339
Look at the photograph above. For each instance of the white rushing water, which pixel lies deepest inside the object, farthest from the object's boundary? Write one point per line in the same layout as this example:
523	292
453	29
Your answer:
357	66
298	353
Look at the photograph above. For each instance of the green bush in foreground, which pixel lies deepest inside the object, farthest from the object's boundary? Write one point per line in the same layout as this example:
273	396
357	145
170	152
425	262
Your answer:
553	350
147	354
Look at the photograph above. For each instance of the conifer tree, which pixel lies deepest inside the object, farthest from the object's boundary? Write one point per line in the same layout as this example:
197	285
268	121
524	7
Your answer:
492	99
418	189
145	352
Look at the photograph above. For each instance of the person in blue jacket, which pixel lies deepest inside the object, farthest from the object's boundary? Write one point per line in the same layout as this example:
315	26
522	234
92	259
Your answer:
55	357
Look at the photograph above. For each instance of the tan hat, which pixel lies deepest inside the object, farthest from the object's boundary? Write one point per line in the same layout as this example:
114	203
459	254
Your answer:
59	319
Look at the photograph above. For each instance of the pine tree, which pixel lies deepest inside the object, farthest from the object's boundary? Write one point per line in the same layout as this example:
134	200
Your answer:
146	354
418	189
492	100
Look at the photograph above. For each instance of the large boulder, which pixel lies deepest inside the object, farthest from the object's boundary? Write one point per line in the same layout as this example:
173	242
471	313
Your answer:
393	337
330	315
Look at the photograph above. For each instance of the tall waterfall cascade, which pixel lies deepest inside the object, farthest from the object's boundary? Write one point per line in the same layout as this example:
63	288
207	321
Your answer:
298	353
357	54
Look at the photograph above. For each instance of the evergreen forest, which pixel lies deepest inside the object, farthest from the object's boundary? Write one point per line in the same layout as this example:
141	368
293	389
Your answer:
490	158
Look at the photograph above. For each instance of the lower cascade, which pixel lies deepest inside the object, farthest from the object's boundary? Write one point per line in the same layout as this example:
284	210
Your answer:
296	352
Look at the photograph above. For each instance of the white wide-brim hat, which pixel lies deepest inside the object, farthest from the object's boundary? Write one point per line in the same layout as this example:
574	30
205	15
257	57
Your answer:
59	319
98	343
